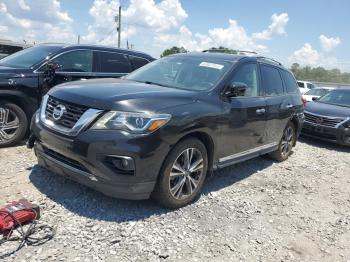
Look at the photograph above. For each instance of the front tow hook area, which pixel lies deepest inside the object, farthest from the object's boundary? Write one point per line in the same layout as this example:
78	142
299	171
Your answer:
31	141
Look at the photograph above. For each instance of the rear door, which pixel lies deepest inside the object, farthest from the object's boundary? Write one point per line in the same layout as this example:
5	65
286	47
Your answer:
111	64
245	121
279	104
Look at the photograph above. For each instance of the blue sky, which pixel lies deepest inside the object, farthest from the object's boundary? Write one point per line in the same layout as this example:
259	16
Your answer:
309	32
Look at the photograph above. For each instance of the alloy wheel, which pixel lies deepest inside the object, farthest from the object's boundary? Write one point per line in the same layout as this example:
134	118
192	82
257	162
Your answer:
287	141
186	173
9	124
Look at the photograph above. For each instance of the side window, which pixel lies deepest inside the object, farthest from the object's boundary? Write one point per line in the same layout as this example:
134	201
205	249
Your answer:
75	61
137	62
113	63
247	74
289	81
271	80
301	84
310	86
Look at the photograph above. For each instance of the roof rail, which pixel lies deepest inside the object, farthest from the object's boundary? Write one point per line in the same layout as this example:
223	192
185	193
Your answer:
221	50
269	59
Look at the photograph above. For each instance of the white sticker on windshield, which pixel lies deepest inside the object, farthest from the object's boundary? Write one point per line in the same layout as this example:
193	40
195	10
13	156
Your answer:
211	65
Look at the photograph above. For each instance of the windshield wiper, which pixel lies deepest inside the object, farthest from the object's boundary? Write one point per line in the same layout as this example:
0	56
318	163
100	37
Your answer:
153	83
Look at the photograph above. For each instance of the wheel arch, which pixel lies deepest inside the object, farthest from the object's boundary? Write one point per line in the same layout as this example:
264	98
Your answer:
207	141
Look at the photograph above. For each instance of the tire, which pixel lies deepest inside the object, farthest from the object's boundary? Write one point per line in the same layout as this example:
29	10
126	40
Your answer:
286	144
175	171
13	124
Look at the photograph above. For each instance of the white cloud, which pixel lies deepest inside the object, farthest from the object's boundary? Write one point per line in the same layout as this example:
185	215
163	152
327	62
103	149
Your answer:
308	56
3	29
329	43
36	20
277	27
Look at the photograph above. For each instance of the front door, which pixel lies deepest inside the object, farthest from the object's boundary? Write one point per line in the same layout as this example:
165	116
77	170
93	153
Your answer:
73	65
245	118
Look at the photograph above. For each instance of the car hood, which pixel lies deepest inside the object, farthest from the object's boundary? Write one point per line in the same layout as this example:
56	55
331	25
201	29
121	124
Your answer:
123	95
327	109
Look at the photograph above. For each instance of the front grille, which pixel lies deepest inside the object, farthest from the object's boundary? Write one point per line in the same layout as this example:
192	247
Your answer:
322	120
63	159
314	133
70	117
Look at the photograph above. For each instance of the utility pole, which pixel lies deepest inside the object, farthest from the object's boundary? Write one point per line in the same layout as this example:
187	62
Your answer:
119	22
78	39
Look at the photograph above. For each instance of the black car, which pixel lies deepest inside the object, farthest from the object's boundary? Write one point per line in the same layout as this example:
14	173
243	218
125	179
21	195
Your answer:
328	118
160	130
27	75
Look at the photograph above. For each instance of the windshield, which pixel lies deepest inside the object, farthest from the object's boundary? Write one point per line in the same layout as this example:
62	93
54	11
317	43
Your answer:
28	57
317	92
182	72
337	97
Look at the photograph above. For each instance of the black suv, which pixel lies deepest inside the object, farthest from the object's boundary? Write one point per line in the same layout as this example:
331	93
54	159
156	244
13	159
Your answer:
160	130
27	75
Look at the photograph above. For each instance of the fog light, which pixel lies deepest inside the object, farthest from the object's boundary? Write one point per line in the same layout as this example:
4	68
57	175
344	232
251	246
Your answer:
122	164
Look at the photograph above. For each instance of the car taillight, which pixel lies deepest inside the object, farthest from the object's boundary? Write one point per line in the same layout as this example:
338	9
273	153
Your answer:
304	101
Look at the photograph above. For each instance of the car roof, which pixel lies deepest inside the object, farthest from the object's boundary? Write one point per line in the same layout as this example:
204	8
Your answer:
232	57
100	48
324	87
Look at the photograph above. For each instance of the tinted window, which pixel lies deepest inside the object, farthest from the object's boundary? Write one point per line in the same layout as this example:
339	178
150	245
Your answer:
247	74
301	84
113	63
271	80
289	81
310	86
137	62
75	61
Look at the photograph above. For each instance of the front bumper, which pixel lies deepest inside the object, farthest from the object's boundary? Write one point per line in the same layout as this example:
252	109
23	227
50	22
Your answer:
83	159
338	135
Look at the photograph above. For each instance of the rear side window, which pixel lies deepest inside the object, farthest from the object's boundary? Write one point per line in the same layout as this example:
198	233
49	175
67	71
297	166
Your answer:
300	84
271	80
137	62
113	63
290	83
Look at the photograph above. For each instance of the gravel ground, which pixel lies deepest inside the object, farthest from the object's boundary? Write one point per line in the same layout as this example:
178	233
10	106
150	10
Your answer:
298	210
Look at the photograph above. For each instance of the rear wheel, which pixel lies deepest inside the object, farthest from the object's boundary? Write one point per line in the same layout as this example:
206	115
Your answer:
13	124
286	144
182	175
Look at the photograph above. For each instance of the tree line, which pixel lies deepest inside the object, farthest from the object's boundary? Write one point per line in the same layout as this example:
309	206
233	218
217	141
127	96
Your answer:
317	74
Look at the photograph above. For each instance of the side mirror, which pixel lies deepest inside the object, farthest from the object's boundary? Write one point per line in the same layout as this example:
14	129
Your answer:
236	89
50	71
314	98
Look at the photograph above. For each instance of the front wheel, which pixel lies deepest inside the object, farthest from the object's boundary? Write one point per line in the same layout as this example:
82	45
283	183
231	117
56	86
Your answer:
182	175
13	124
286	144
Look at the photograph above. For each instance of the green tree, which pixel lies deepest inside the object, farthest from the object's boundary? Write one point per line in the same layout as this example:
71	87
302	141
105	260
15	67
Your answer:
173	50
320	74
222	49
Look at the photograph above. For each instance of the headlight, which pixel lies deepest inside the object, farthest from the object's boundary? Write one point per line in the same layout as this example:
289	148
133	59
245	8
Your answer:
131	122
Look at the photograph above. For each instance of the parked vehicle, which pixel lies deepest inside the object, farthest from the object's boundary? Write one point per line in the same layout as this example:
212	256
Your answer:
328	118
8	47
316	93
160	130
27	75
305	86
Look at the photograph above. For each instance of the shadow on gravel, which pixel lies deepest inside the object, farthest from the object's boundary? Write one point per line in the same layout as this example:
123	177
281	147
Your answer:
92	204
324	144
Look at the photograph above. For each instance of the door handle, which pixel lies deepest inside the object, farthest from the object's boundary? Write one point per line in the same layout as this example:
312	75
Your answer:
260	111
